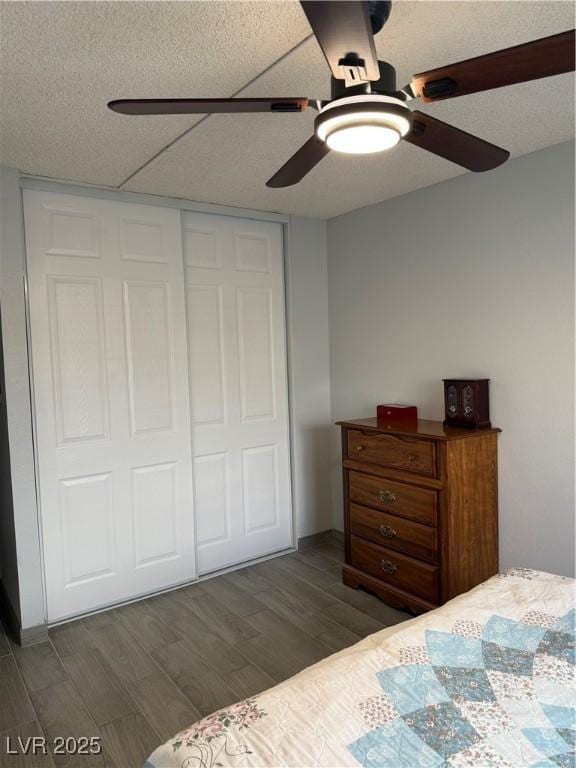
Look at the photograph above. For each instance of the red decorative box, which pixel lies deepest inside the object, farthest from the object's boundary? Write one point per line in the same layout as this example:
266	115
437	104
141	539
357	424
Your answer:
395	412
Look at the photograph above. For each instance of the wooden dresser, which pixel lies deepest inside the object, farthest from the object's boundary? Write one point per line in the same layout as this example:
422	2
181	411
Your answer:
420	510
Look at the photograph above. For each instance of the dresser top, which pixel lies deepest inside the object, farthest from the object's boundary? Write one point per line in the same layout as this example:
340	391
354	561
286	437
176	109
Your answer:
420	428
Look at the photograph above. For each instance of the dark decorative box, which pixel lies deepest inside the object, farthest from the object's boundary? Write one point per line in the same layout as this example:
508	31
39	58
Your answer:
394	413
466	403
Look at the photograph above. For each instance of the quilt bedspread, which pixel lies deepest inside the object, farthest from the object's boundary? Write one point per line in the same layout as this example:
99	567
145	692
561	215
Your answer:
486	681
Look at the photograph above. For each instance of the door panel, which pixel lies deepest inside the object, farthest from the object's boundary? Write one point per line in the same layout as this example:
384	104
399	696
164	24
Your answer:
155	514
239	403
206	354
78	362
142	240
255	354
260	485
211	484
87	510
71	232
147	318
201	246
110	369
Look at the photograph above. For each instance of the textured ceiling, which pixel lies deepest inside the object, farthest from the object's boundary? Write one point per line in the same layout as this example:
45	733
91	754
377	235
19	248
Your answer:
62	61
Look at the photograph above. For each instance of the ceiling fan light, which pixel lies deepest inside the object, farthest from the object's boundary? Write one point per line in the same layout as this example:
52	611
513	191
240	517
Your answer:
363	124
363	139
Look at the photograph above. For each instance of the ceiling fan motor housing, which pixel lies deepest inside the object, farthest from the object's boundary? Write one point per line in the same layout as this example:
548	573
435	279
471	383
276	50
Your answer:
379	11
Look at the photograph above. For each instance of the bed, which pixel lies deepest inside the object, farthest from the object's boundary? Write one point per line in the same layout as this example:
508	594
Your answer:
485	681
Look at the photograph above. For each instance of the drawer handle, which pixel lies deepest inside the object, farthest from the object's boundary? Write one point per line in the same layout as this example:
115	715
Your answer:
387	531
412	458
359	447
388	566
387	496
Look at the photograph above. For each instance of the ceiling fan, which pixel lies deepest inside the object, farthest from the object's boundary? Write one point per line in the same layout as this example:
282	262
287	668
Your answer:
367	113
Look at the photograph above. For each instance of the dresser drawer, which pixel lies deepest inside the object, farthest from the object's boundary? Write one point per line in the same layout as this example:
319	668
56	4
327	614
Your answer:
398	498
394	532
418	456
395	569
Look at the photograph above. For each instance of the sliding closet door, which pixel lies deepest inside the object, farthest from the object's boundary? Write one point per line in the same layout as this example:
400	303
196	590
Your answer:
239	403
110	367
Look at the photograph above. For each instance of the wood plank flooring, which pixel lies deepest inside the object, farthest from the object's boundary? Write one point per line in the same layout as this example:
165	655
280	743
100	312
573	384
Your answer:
136	675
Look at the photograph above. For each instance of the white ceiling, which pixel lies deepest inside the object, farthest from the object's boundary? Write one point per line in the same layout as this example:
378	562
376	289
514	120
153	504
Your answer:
62	61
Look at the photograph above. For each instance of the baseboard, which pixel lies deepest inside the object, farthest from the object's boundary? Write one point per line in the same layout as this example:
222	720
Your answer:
315	539
338	536
24	637
34	635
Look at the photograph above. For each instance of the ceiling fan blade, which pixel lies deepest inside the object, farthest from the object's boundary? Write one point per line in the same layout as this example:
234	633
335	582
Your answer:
299	164
205	106
530	61
344	31
453	144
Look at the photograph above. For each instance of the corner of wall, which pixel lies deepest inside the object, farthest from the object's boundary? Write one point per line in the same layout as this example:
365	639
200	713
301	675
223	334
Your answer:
308	344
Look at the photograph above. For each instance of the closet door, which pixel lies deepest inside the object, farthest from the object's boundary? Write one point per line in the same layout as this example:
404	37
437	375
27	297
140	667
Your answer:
110	370
238	387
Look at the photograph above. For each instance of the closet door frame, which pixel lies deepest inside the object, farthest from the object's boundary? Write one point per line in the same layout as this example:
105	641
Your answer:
103	193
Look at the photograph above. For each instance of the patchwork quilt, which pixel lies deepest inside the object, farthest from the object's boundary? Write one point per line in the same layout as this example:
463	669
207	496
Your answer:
486	681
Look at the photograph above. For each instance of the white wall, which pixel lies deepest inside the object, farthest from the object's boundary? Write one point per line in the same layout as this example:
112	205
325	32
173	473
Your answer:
19	535
471	277
310	374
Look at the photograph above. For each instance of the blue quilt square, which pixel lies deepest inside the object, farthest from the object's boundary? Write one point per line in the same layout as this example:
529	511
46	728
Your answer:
509	660
569	736
546	740
560	717
394	745
566	760
443	728
559	644
512	634
446	650
464	684
411	686
567	623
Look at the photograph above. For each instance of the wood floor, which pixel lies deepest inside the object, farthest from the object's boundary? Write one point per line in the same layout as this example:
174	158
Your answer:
136	675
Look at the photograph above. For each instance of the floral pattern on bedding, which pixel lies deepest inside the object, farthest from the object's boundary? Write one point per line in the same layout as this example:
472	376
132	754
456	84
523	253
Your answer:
486	681
207	741
478	702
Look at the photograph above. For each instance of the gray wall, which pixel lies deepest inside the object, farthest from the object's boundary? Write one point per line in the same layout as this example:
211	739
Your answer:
310	373
19	534
471	277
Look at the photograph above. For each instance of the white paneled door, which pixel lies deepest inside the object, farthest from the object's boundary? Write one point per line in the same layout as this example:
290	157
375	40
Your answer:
238	388
110	367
